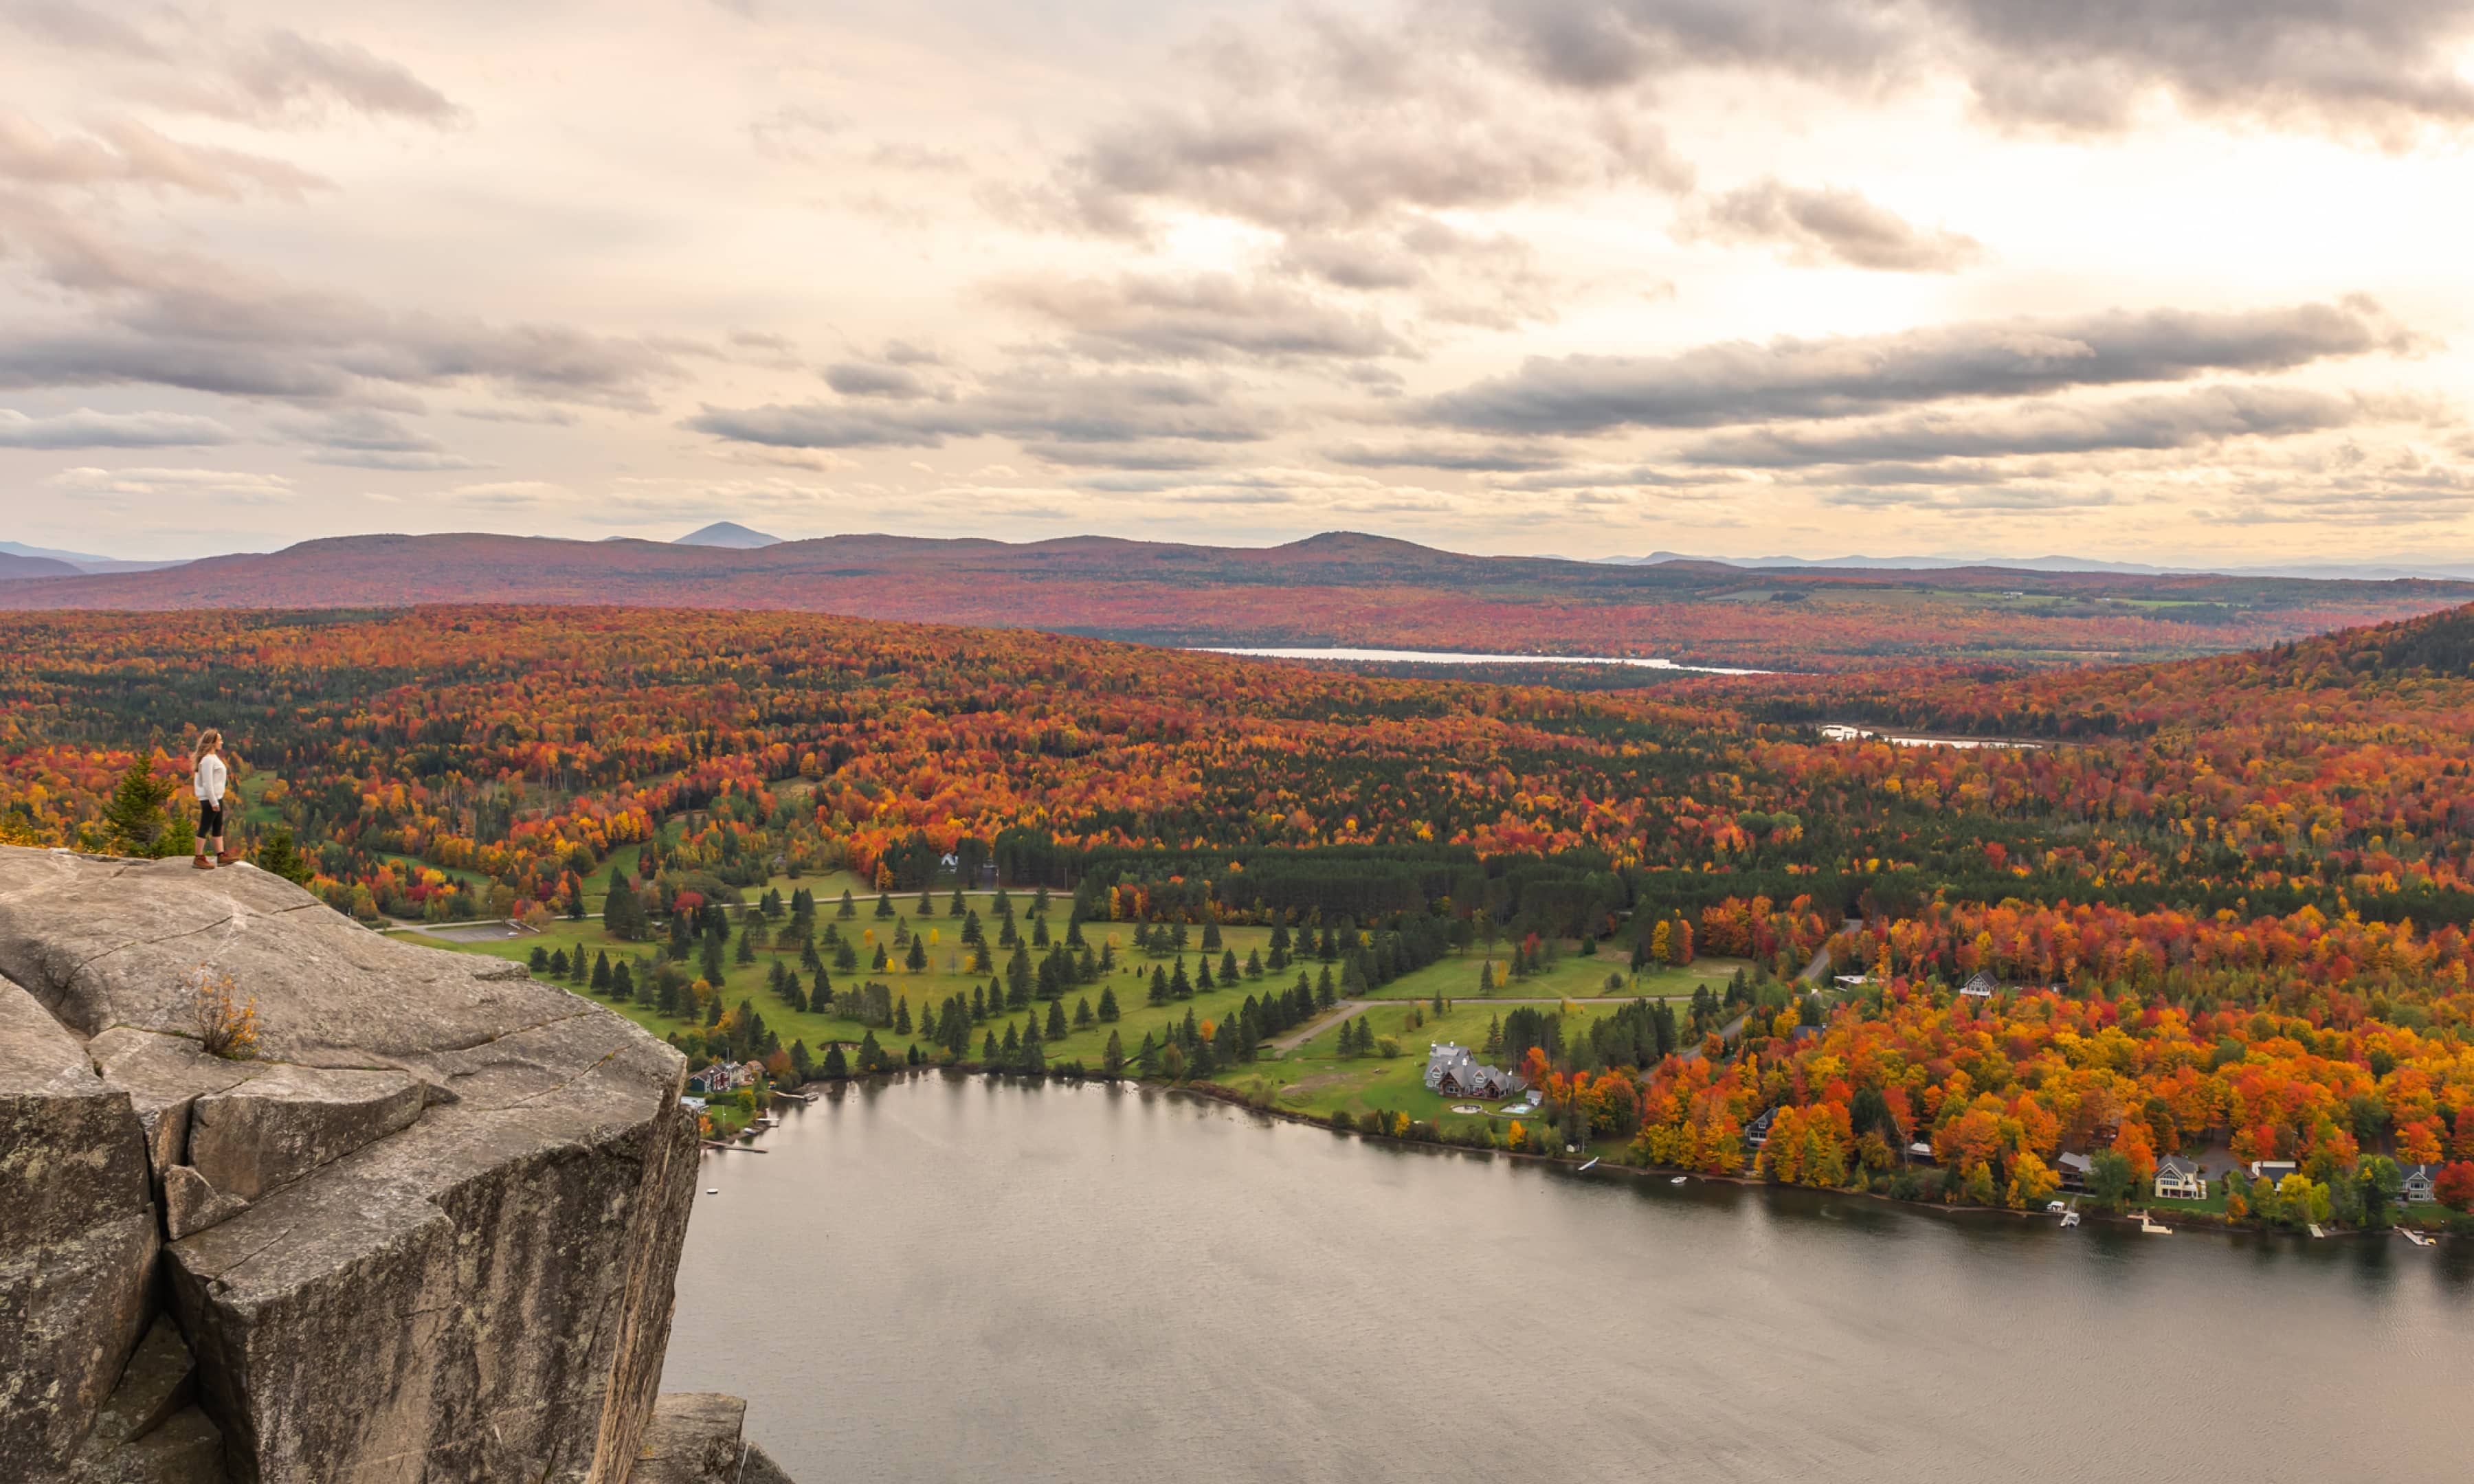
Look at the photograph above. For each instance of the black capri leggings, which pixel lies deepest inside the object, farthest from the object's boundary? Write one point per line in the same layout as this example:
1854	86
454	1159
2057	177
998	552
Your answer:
210	818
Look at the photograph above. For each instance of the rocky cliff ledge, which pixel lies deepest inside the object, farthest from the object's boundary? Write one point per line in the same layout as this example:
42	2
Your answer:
425	1234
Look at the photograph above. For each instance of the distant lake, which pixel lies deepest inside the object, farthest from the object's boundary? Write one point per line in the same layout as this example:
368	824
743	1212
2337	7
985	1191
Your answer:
1450	656
1841	731
952	1277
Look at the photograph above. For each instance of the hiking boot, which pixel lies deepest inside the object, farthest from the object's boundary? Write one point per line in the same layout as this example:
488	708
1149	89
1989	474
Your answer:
203	864
226	858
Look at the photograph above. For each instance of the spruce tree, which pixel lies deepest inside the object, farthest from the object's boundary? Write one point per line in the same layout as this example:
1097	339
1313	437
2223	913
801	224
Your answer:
849	909
835	1066
132	818
277	855
1159	985
1112	1056
622	981
1228	967
1082	1016
902	1015
1055	1030
1108	1004
988	1051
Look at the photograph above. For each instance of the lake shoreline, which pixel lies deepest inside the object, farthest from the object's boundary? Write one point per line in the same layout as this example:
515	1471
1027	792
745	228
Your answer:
1221	1094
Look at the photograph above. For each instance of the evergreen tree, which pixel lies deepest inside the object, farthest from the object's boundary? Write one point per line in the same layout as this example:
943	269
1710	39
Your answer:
988	1051
278	855
747	943
1179	986
1324	995
1253	964
1012	1042
709	966
956	907
1108	1005
1210	934
1202	981
902	1015
919	959
1055	1027
1082	1016
1147	1060
622	982
1159	985
132	818
883	905
601	972
1228	967
835	1066
538	960
558	964
849	909
1112	1056
623	911
1034	1062
871	1056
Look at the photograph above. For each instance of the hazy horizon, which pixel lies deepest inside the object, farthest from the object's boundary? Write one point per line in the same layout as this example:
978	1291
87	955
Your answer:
1587	278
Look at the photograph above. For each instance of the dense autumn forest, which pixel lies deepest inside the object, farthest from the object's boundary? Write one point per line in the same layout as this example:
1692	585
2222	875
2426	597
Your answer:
2224	899
1339	588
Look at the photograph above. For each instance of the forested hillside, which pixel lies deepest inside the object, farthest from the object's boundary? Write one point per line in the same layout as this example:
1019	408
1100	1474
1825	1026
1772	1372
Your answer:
1335	589
2226	898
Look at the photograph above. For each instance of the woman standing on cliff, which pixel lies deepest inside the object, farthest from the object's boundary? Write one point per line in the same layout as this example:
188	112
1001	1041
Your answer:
207	777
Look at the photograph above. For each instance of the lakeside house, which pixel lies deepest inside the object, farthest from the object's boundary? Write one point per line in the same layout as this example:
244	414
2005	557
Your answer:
2180	1180
724	1077
1980	987
2421	1184
1455	1071
1760	1133
2074	1169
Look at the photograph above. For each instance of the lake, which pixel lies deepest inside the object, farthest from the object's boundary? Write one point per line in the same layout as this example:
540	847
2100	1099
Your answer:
1450	656
952	1277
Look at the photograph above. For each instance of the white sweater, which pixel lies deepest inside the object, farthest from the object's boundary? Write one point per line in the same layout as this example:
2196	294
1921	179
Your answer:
208	780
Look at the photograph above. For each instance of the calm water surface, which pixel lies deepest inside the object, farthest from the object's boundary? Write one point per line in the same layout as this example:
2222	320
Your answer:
1454	657
960	1279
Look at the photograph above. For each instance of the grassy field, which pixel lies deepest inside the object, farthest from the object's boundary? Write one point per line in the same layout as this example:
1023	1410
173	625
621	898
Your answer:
1312	1079
924	990
1570	977
1315	1078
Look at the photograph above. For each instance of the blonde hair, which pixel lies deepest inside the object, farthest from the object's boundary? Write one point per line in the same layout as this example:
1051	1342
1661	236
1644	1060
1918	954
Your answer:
208	741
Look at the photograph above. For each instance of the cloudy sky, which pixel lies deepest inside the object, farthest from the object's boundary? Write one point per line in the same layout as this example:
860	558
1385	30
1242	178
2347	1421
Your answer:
2150	279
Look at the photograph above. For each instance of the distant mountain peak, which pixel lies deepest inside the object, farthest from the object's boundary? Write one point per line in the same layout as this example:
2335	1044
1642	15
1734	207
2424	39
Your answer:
728	532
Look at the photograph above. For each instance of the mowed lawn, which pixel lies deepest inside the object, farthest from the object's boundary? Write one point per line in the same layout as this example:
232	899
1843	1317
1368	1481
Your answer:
1315	1078
1570	976
924	991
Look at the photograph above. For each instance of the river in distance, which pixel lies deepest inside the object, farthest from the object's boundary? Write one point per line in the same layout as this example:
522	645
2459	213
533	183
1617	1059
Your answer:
952	1277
